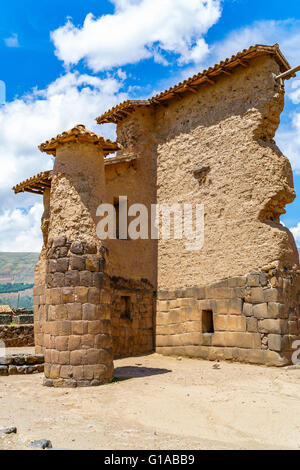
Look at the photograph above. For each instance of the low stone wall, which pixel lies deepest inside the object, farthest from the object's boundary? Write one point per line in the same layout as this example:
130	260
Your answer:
21	364
252	319
17	335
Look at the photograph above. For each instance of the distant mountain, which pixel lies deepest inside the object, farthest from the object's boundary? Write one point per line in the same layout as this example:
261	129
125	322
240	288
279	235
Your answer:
17	268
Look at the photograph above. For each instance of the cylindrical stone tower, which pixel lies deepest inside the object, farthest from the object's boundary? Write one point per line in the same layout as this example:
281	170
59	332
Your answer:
77	329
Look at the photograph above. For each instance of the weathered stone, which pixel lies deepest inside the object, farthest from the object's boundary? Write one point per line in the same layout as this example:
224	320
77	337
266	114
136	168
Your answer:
260	311
42	444
62	265
72	278
253	280
92	263
252	325
248	309
275	342
77	263
77	248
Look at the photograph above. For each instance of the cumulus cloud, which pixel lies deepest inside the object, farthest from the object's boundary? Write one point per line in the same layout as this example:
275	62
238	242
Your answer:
139	29
296	232
20	230
12	41
25	123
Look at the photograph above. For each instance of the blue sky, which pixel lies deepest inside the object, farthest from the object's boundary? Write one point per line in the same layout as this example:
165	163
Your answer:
67	62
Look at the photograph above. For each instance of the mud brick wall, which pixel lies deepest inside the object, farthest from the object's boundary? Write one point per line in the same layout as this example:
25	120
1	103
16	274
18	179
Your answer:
132	317
255	319
17	335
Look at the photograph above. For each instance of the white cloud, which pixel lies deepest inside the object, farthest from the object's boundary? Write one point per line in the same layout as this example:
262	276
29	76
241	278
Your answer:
20	231
139	29
12	41
296	232
28	121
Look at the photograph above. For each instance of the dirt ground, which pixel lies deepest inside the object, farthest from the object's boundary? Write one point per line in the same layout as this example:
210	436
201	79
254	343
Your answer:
159	403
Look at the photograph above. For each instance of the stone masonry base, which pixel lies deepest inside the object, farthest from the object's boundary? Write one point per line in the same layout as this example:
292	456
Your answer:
252	319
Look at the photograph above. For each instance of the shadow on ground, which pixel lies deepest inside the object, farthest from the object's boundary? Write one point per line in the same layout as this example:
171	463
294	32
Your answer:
134	372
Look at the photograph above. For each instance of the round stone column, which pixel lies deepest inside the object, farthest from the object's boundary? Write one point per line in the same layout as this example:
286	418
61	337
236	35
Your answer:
77	330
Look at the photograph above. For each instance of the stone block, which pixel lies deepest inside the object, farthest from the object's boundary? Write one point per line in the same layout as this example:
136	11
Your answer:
253	280
257	295
236	323
275	342
77	248
260	311
247	309
92	263
235	307
276	310
77	263
166	295
55	296
74	311
81	294
62	265
88	279
77	358
239	281
89	312
222	306
221	322
64	358
163	305
67	294
72	279
237	339
62	343
252	325
219	293
94	328
273	295
74	342
93	295
64	327
271	326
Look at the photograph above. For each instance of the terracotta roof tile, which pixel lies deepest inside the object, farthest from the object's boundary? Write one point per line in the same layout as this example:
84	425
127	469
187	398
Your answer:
79	134
36	184
120	112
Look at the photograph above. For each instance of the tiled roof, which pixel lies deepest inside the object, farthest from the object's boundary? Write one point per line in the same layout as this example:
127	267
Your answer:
36	184
79	134
120	112
5	309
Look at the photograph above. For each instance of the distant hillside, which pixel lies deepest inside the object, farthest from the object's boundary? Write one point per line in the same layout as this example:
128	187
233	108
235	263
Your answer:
16	274
17	267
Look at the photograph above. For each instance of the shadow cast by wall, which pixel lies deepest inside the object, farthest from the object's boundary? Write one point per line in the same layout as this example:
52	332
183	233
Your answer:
134	372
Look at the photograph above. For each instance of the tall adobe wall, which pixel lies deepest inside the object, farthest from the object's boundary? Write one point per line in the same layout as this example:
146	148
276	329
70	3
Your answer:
238	297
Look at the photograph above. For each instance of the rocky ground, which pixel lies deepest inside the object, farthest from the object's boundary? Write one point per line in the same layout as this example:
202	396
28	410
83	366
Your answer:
159	403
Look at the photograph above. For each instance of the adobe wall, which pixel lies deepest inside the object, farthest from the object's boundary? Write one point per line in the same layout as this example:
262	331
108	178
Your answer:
230	128
134	259
132	264
246	277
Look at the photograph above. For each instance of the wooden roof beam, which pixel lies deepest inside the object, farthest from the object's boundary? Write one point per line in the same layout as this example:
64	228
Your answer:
243	63
225	71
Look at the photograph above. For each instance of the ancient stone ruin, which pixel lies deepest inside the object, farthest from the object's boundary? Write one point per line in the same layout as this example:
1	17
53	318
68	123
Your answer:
207	140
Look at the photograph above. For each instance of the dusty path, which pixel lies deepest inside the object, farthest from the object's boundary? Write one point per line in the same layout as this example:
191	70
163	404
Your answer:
166	404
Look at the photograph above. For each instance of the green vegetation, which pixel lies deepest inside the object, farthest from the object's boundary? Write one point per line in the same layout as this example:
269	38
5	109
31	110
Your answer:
18	287
16	279
17	267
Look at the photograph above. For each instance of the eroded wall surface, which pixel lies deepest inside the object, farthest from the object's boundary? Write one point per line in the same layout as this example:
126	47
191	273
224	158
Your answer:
246	276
